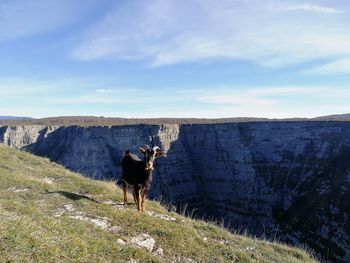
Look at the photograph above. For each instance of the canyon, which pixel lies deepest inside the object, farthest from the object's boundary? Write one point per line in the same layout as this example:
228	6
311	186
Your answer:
284	180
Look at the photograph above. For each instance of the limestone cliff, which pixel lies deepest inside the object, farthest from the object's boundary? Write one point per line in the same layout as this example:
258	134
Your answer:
289	180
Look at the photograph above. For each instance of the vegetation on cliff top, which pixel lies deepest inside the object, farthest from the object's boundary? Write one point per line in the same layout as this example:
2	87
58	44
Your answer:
49	214
113	121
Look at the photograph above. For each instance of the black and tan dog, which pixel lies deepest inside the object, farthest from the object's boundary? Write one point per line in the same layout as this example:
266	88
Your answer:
138	174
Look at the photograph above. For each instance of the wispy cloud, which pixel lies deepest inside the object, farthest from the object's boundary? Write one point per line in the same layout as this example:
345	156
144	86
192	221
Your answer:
339	66
19	88
276	102
316	8
271	95
84	100
103	90
116	96
270	102
237	99
270	33
32	99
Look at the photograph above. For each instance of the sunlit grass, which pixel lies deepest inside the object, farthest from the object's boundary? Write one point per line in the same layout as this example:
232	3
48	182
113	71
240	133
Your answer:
32	190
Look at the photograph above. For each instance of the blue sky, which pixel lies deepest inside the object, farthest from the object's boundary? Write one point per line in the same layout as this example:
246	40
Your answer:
174	58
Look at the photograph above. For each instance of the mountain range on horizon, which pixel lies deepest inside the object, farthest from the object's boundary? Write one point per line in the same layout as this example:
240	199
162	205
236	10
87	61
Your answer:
101	120
13	118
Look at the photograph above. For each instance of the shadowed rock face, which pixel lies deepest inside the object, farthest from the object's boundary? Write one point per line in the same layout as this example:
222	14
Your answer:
289	180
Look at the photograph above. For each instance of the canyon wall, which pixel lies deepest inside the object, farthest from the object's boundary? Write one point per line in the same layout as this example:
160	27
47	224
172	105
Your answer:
284	180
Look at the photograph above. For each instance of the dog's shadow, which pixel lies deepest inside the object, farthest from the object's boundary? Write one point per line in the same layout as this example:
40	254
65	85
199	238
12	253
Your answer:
73	196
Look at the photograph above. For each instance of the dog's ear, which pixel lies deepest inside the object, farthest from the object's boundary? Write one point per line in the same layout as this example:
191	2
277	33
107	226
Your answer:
160	154
143	151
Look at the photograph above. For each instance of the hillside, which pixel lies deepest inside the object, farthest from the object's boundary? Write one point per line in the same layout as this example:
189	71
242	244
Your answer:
279	180
48	213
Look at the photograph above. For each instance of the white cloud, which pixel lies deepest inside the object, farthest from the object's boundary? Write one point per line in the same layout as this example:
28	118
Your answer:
270	33
270	95
339	66
301	111
85	99
237	99
116	96
103	90
283	91
39	99
269	102
316	8
276	102
19	88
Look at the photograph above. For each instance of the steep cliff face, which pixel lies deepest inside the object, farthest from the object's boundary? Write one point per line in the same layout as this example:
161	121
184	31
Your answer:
289	180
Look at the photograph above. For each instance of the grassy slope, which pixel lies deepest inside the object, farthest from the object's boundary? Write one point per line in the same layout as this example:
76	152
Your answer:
29	231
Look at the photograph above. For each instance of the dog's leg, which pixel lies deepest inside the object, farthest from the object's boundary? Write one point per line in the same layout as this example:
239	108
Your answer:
134	194
138	197
125	190
143	197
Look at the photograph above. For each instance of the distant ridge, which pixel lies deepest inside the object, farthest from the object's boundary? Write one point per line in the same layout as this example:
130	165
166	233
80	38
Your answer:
334	117
14	118
103	121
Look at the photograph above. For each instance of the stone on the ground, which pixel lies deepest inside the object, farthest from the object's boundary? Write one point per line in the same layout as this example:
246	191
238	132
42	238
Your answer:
68	207
121	242
48	180
143	241
114	229
18	190
159	252
165	217
101	222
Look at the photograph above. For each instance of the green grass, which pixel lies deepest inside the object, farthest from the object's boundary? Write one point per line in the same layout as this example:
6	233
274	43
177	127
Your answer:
33	190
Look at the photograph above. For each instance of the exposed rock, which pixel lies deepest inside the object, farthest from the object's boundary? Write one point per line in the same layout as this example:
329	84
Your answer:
161	216
224	242
48	180
121	242
19	136
101	222
68	207
115	229
143	241
159	252
165	217
63	209
18	190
